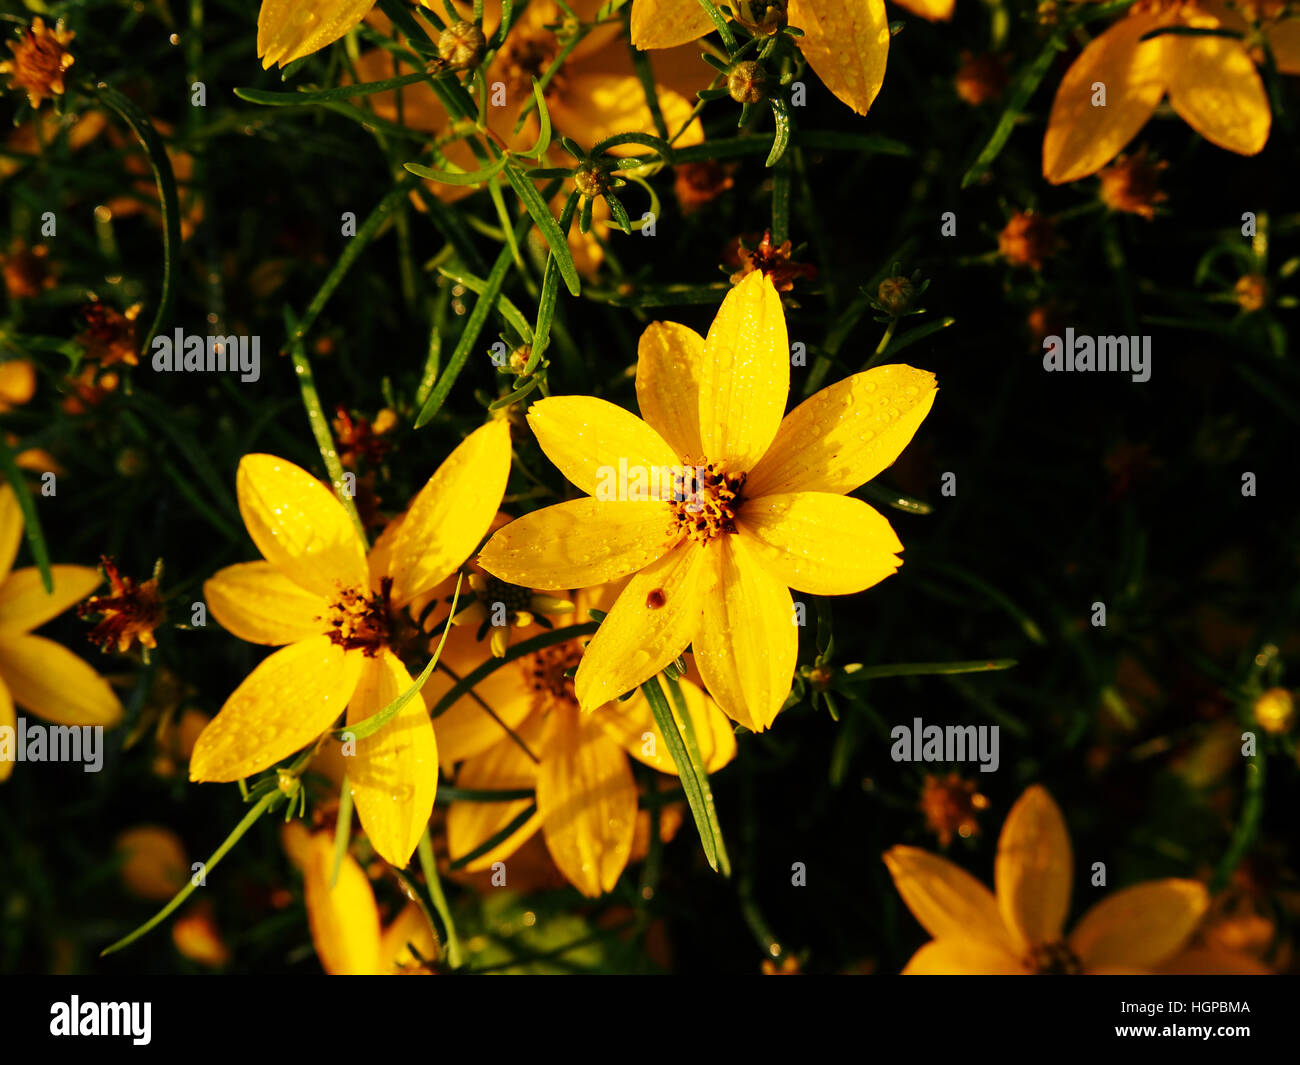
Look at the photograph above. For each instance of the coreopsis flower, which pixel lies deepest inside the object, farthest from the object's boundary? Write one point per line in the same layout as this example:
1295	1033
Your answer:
339	613
981	78
951	806
110	335
517	607
773	260
759	504
1251	292
27	271
35	673
40	58
131	611
1211	82
1028	239
1130	184
346	928
1021	930
697	184
594	94
847	44
577	764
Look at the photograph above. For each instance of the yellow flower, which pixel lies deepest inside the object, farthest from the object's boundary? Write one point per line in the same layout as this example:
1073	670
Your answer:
586	796
345	926
1211	81
845	41
1021	929
39	61
1275	710
337	610
37	674
766	509
153	860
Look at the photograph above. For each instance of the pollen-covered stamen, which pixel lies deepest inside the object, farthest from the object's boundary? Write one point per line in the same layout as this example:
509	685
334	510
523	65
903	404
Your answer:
1053	959
545	671
358	620
705	501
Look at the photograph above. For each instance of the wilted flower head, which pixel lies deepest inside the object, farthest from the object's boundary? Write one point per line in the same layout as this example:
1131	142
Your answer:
1028	239
40	56
1130	184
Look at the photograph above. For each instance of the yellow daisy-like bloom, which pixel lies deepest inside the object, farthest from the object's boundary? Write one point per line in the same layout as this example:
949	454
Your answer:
845	41
1021	929
39	60
337	610
38	674
1211	82
766	510
346	929
576	763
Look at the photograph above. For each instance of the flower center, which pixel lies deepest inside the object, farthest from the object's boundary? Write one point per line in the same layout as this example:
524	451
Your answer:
516	600
360	621
528	56
1053	959
705	501
545	671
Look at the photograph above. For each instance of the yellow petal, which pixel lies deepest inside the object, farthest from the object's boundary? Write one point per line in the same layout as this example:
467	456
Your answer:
258	603
608	452
154	865
962	957
668	23
1213	961
393	773
644	631
844	435
452	512
299	527
344	919
410	928
24	604
1034	869
847	43
1141	926
632	726
948	902
747	646
934	10
283	705
669	365
503	767
598	104
579	543
819	542
53	683
745	375
1081	138
467	728
290	29
11	529
1284	42
1217	91
587	801
8	720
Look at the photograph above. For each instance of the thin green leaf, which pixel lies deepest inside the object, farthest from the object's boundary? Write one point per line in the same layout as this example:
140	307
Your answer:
304	97
694	778
457	177
546	223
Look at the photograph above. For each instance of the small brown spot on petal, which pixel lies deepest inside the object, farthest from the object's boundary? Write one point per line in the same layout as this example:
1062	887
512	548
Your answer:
656	599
